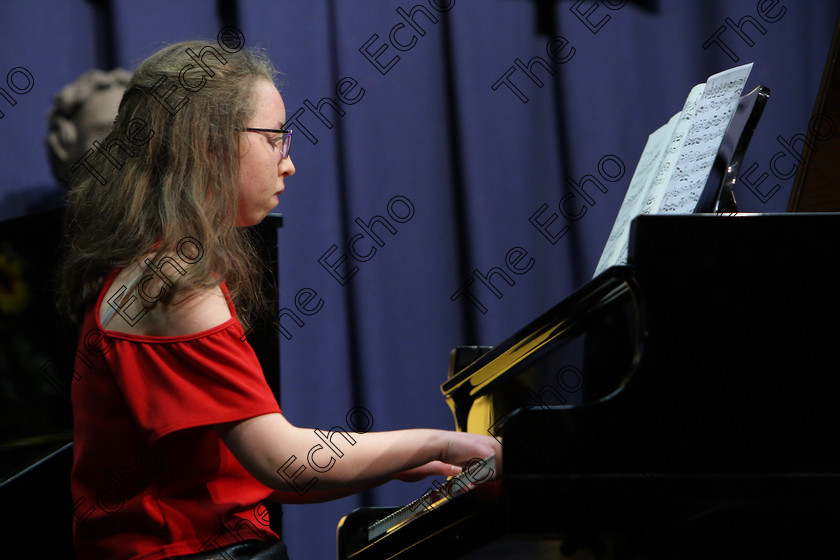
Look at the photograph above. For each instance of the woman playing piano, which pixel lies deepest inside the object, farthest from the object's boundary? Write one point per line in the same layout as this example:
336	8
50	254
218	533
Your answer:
177	435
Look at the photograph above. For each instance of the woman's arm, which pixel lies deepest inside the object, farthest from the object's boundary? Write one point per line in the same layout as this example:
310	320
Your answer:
303	467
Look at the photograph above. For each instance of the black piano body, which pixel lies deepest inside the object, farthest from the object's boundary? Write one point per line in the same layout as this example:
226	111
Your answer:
700	386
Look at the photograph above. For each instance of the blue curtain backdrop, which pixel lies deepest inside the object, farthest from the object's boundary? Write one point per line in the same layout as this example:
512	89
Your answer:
428	136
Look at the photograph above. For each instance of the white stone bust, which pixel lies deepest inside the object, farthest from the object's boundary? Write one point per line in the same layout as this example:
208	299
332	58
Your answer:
82	112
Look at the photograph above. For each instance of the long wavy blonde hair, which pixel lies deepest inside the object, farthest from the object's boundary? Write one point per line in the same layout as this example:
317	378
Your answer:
181	182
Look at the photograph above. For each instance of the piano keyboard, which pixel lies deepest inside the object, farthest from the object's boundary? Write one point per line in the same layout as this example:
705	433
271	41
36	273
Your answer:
459	484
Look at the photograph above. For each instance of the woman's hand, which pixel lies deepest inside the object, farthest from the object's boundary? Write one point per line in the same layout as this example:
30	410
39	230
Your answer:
462	447
461	450
435	468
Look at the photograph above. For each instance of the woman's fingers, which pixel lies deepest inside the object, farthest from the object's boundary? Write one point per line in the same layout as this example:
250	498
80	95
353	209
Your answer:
435	468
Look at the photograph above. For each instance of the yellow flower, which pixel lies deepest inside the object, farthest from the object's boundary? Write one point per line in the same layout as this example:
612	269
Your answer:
14	294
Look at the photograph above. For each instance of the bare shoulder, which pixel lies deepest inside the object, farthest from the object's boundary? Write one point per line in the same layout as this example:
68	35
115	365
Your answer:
135	293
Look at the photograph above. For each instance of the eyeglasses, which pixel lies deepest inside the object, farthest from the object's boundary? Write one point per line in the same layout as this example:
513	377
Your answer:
284	141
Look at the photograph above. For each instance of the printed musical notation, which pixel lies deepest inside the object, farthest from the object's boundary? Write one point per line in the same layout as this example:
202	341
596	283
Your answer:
716	108
677	159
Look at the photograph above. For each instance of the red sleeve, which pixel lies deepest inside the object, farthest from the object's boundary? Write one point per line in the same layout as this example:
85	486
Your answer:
173	383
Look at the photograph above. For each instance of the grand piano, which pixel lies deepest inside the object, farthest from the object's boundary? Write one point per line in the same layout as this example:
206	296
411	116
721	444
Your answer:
682	406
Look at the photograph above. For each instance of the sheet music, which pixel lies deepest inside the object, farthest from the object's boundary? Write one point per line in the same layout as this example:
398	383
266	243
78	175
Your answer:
684	119
675	164
716	108
615	251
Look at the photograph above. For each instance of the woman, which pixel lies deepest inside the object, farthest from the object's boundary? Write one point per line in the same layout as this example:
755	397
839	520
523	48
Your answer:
177	435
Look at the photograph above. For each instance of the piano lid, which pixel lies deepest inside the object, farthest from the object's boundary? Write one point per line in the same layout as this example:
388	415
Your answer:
816	188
